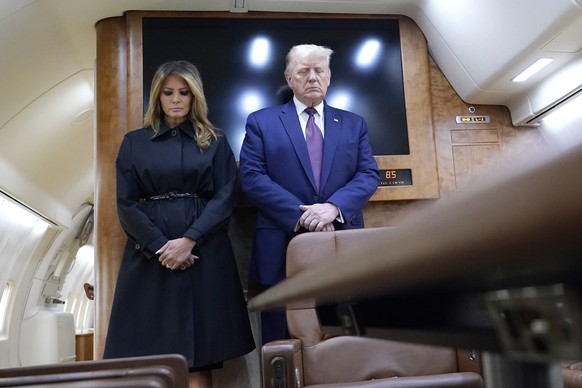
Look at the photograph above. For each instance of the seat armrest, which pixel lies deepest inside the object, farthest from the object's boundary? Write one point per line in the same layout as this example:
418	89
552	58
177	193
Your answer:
572	374
282	364
469	360
170	370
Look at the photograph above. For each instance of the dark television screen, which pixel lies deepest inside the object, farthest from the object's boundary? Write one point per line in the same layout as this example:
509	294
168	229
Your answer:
242	60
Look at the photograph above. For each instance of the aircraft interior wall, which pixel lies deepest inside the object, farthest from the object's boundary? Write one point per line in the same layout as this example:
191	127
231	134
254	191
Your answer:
41	285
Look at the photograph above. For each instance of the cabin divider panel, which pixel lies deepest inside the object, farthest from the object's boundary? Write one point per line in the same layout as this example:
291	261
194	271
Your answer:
111	123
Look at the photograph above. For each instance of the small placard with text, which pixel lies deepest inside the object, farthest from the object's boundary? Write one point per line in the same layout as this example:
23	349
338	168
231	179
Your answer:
396	177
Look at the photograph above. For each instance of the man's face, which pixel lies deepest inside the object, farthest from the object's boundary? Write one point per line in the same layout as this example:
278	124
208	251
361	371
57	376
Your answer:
309	79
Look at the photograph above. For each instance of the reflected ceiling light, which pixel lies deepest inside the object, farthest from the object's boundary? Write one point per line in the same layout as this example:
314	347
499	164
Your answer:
532	69
259	52
368	53
340	99
86	254
250	101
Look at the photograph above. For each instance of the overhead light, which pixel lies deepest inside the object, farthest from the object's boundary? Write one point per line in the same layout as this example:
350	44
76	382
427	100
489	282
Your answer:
532	69
368	53
259	52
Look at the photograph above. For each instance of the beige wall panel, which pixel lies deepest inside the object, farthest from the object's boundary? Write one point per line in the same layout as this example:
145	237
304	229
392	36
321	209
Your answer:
474	136
474	162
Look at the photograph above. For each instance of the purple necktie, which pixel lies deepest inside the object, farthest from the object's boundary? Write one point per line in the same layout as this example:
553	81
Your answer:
314	140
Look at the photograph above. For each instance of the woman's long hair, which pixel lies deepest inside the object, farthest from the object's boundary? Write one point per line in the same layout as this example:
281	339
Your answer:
204	131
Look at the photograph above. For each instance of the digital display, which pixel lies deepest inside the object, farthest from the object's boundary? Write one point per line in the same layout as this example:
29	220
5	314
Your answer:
242	62
399	177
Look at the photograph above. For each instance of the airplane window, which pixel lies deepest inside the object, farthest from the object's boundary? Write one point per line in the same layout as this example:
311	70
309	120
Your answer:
20	232
78	289
64	262
86	253
4	297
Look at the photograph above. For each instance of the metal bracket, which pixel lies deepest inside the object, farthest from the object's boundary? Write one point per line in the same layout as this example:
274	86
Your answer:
351	324
538	323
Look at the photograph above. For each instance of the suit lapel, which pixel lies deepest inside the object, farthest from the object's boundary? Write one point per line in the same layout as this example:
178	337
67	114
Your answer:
333	123
292	126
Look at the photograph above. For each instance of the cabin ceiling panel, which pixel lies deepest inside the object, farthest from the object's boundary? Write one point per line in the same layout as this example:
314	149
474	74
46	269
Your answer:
36	57
8	7
45	123
567	41
494	40
48	156
399	7
71	161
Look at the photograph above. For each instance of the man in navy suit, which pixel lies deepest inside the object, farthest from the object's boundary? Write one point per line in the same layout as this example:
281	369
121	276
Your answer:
278	178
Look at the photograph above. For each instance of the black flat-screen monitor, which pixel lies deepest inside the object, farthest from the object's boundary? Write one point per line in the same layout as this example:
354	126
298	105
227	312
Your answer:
242	60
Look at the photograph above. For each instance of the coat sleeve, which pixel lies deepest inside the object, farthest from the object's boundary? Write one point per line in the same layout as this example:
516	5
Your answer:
219	207
140	230
280	205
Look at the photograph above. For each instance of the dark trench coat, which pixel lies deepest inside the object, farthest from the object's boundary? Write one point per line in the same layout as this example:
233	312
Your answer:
199	312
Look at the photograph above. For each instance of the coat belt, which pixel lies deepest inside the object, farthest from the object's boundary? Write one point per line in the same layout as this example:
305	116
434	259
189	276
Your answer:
168	196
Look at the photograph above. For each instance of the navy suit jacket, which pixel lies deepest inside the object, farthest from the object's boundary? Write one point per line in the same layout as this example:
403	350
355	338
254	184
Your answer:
276	176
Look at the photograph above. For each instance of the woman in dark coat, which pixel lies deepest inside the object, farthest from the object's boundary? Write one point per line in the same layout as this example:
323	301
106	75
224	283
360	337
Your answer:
178	289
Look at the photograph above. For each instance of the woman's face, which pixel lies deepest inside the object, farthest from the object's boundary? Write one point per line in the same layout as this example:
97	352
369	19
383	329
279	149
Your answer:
175	99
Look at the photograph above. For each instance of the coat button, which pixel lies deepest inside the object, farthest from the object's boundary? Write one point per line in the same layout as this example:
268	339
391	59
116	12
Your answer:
137	246
174	132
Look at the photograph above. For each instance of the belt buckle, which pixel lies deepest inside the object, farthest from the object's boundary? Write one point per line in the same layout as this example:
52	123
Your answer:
172	195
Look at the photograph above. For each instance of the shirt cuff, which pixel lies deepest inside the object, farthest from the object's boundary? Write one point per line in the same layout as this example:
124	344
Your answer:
340	216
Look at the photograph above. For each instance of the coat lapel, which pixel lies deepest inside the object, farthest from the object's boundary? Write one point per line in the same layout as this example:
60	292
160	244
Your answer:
333	123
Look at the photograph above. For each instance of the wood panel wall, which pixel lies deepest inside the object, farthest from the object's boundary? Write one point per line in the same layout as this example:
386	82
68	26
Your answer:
111	123
465	154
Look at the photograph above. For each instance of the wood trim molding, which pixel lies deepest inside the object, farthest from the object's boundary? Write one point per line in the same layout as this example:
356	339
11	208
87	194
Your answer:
111	121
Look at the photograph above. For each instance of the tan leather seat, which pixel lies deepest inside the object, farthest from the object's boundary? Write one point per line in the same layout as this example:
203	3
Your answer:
572	374
313	358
